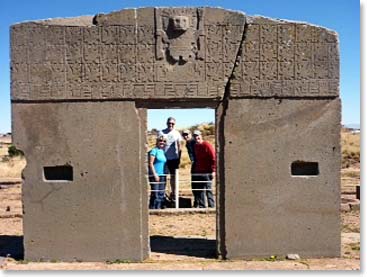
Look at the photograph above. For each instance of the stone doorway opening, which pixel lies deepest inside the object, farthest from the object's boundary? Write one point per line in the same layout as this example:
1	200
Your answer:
179	229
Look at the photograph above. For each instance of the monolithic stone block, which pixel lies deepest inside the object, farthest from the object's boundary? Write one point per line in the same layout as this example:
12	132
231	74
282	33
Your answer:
84	190
282	178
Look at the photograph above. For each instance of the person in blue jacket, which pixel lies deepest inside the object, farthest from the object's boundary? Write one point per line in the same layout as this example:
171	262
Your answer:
157	173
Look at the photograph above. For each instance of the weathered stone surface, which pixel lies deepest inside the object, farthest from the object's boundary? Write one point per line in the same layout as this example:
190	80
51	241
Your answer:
122	17
132	58
126	55
287	59
218	16
267	210
86	20
102	213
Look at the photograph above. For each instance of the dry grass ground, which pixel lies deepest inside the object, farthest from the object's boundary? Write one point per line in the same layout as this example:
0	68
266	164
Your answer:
12	168
179	241
350	148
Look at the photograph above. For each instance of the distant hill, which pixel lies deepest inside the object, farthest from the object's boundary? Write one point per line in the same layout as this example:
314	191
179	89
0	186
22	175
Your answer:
352	126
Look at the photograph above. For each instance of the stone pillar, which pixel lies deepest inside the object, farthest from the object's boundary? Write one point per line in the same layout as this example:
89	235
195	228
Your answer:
83	193
281	143
269	208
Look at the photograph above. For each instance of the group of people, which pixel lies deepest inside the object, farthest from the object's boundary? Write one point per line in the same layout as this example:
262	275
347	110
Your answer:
165	158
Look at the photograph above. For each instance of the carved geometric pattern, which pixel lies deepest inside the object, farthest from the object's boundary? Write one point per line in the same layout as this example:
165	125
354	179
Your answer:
306	88
287	59
72	62
119	61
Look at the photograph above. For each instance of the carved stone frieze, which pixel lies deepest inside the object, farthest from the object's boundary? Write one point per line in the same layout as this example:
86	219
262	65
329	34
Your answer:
197	46
285	59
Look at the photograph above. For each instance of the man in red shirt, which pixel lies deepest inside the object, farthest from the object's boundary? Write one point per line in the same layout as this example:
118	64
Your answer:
204	168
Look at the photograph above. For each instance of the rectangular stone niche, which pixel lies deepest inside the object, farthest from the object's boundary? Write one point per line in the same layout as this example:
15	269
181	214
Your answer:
301	168
58	173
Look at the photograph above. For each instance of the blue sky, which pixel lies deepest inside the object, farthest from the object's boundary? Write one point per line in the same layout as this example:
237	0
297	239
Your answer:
343	16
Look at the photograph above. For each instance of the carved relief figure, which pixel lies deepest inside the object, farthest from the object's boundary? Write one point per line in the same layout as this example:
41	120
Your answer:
178	34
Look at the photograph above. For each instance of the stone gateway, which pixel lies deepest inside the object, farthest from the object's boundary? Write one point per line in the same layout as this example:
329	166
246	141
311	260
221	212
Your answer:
80	89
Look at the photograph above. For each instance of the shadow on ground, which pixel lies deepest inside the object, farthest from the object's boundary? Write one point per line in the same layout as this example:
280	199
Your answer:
196	247
12	246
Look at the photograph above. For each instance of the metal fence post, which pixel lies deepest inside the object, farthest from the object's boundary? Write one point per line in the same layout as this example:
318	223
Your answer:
177	188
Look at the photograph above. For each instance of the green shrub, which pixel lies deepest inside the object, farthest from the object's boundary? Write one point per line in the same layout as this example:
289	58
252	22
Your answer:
13	151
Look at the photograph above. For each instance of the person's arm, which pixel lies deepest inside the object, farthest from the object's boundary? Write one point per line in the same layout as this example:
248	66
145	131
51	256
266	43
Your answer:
190	151
151	165
179	140
178	144
211	152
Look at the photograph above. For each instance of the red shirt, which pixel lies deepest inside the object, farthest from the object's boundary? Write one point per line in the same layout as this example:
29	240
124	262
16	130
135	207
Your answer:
205	160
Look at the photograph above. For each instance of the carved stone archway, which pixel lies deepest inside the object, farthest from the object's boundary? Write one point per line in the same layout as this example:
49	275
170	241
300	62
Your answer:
80	87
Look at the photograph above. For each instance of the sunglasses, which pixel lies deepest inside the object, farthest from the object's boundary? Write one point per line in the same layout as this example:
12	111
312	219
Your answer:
170	123
162	140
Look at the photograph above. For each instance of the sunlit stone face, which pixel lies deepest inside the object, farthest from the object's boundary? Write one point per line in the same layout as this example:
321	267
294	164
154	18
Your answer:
180	22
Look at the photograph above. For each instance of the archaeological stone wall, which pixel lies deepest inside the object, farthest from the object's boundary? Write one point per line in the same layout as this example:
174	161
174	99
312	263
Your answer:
80	88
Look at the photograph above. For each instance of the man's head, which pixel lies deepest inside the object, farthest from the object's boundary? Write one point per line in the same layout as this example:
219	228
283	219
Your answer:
197	136
186	134
171	123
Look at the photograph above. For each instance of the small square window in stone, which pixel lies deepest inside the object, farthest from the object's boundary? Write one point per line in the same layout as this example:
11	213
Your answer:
302	168
58	173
